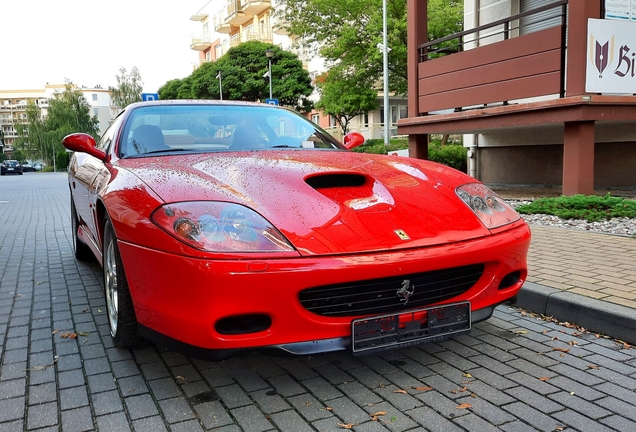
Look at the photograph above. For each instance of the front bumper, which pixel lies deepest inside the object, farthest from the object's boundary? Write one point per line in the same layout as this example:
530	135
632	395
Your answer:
183	298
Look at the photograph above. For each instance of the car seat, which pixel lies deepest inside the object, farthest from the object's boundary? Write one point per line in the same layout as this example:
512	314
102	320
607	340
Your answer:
148	138
246	137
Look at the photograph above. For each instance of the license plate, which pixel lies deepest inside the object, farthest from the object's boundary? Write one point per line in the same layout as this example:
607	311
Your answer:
390	331
10	169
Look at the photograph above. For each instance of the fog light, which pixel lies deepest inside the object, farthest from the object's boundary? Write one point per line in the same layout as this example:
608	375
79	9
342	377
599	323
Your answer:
243	324
510	280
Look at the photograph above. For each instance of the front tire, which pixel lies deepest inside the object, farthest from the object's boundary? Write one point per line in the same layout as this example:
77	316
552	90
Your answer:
81	251
119	306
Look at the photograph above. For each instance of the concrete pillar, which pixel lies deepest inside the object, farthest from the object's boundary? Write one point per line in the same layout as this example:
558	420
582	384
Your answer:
578	158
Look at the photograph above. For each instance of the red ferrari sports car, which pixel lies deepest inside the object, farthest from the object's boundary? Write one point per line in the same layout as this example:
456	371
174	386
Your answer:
226	225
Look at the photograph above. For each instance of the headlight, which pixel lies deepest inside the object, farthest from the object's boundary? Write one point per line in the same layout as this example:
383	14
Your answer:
220	227
487	205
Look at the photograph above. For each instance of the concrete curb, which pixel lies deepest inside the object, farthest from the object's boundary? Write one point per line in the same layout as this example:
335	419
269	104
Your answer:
595	315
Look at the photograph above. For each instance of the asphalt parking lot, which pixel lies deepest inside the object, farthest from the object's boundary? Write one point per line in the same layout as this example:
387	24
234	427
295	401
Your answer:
60	371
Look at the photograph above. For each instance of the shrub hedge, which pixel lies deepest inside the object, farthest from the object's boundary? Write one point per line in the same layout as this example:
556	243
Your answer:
453	155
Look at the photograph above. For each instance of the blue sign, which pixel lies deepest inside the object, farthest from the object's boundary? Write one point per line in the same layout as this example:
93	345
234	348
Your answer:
149	96
271	101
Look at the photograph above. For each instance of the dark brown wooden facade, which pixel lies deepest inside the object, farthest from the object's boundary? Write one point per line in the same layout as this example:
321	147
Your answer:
468	92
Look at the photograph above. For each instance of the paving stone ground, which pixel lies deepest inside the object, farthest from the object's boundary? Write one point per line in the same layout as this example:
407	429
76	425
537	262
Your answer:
514	372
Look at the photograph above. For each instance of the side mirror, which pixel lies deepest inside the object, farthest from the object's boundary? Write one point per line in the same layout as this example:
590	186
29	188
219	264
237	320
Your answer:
353	140
84	143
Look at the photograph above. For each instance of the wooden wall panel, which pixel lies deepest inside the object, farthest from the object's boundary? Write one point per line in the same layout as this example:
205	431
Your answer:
520	88
544	40
522	67
535	64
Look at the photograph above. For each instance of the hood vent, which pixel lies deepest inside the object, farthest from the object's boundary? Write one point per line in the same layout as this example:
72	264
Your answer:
336	181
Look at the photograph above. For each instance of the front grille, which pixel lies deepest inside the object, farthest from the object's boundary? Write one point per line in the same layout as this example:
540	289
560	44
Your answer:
376	296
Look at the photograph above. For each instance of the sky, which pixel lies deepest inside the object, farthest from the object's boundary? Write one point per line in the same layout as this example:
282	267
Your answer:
88	41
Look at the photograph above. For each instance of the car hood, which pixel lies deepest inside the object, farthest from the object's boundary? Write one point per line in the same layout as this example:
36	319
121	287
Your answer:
325	202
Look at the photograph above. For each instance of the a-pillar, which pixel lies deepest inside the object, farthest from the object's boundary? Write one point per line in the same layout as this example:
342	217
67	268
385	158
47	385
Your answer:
578	158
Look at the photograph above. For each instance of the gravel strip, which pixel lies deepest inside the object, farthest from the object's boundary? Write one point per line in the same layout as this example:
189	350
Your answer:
617	226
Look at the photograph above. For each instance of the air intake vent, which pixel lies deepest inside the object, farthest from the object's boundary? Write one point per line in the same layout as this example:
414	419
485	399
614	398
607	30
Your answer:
378	296
335	181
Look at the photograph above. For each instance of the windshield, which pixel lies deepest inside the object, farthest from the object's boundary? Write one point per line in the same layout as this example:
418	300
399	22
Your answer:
202	128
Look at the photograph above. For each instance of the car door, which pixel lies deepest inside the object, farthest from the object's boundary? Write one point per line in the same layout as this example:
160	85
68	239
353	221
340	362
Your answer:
90	175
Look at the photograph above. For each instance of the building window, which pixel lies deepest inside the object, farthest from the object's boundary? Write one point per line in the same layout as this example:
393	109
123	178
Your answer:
394	114
94	96
404	112
315	118
95	111
364	119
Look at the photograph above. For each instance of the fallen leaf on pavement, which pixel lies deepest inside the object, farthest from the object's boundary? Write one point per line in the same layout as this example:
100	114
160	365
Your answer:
399	391
562	349
422	388
464	406
544	378
346	426
37	368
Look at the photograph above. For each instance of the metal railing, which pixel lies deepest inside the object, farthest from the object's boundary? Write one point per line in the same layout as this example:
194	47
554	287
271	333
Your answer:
509	27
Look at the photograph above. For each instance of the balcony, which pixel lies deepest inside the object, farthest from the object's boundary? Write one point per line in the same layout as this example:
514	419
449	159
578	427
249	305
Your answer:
249	35
201	43
255	7
277	25
235	15
235	40
218	21
514	67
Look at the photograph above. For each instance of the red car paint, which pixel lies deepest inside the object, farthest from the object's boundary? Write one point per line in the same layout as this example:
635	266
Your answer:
403	216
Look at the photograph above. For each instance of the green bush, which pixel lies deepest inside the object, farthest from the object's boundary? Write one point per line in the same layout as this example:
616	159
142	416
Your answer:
589	207
453	155
376	146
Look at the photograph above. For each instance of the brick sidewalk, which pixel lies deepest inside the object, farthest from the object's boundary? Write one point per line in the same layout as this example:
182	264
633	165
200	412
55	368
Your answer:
600	266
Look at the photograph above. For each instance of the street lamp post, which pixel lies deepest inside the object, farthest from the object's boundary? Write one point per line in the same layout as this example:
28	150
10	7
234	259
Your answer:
270	53
220	86
385	58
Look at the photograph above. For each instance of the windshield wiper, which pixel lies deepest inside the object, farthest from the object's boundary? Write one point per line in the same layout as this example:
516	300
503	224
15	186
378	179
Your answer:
165	151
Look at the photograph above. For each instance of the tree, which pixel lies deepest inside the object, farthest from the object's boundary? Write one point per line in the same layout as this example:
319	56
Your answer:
68	112
345	97
31	132
129	87
243	74
346	33
176	89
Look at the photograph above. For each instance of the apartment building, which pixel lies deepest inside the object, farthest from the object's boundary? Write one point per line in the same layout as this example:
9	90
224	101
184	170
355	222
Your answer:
239	21
13	104
543	89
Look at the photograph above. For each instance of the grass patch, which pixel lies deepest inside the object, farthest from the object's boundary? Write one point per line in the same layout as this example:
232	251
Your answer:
589	207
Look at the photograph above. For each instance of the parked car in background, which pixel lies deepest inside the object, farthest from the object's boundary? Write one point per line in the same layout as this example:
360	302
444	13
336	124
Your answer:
27	168
10	167
230	225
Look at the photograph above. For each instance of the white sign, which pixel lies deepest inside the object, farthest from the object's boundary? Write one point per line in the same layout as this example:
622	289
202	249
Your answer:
611	57
620	10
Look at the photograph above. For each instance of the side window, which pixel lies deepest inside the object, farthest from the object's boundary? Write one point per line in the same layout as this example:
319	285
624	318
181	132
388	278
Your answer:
107	137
